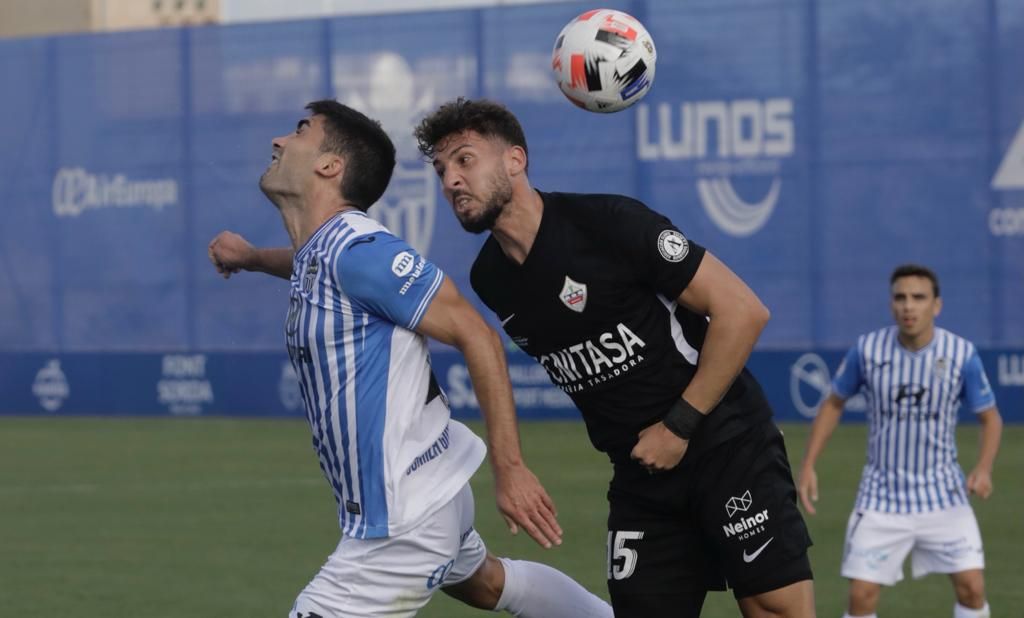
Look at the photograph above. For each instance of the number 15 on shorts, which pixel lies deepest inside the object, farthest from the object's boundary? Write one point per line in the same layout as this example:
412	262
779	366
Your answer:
622	559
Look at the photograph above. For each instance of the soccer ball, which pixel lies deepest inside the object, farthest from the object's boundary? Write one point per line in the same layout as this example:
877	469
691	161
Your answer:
604	60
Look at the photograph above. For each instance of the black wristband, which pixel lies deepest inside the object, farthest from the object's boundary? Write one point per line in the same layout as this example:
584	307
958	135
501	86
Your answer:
682	419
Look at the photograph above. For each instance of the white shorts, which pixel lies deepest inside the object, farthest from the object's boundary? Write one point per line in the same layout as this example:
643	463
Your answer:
396	576
946	541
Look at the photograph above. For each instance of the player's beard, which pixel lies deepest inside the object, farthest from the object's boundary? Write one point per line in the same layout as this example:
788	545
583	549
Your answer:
500	195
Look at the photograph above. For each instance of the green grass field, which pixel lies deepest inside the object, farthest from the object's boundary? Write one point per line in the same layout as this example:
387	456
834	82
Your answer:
214	517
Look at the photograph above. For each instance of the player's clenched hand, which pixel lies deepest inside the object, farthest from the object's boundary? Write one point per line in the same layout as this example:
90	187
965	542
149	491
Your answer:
808	487
659	449
230	253
525	504
979	483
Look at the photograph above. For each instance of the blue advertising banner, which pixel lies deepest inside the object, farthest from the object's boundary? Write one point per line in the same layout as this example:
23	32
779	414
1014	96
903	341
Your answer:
263	384
812	146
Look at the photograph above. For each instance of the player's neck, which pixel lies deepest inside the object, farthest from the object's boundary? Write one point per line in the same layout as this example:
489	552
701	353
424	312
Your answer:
913	343
302	218
516	228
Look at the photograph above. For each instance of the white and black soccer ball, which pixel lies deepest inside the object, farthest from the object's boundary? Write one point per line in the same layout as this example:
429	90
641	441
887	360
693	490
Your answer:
604	60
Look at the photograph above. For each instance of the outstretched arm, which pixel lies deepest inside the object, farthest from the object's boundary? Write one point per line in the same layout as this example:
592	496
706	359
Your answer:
229	252
737	318
521	498
821	430
979	481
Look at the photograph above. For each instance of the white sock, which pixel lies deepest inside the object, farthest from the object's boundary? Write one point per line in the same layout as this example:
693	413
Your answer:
534	590
959	611
849	615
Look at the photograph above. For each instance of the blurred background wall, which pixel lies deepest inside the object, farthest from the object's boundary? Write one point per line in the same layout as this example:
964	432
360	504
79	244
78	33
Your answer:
811	144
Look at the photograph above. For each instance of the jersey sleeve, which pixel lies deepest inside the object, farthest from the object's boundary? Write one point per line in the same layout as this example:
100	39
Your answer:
383	275
850	376
661	255
977	392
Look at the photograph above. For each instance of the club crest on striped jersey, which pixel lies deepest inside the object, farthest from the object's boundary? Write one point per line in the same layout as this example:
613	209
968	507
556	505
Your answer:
574	294
311	272
940	367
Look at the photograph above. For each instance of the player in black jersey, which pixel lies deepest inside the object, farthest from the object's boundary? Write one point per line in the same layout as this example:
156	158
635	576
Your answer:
648	333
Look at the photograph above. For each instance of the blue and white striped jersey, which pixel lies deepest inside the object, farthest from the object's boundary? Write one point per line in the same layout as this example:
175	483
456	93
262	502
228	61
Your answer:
381	425
913	401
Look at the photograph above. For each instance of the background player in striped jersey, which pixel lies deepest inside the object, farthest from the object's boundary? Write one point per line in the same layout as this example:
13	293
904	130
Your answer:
362	303
912	495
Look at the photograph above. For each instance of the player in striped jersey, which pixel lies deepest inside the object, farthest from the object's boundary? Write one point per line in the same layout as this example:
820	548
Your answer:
913	494
362	303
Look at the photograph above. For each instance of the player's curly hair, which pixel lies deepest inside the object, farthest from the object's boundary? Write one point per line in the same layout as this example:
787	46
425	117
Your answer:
368	151
487	118
915	270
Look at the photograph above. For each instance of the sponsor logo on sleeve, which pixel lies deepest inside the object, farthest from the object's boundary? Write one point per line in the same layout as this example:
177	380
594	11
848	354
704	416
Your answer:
403	264
673	246
407	266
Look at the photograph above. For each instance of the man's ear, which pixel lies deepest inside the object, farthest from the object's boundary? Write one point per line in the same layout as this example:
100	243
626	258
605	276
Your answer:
515	160
329	165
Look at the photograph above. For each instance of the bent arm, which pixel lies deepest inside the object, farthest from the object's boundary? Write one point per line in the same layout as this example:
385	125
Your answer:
230	252
275	261
737	318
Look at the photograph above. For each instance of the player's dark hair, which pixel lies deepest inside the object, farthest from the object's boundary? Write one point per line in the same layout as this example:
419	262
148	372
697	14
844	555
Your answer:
915	270
488	118
368	151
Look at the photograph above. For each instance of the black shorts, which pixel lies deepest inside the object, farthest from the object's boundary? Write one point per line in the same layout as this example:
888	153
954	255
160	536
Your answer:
727	518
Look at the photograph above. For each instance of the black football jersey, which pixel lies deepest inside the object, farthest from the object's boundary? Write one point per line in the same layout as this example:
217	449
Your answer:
595	303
